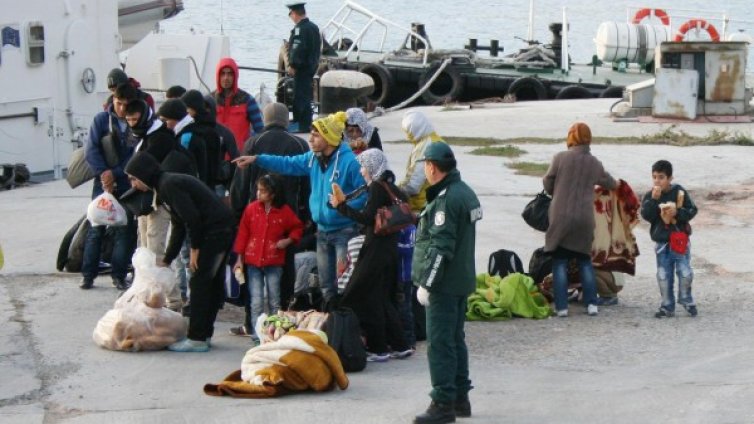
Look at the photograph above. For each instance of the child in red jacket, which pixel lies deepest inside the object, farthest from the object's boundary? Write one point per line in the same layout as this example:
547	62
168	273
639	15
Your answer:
267	228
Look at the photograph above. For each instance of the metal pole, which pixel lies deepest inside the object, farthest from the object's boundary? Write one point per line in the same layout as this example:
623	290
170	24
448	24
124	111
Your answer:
531	20
565	66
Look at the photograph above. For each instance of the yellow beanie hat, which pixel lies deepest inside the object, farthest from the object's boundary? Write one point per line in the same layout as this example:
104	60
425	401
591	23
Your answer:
331	127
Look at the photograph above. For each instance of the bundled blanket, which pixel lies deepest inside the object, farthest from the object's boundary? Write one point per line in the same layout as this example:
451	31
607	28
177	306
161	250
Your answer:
616	213
298	361
498	299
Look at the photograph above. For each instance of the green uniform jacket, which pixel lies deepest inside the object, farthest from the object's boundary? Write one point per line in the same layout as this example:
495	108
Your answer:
445	240
304	46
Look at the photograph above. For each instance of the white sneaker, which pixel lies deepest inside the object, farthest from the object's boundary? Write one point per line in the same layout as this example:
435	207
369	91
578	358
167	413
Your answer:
592	310
563	313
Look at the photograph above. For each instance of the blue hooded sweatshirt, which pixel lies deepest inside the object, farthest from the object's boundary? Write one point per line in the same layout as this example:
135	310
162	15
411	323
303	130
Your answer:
342	169
95	156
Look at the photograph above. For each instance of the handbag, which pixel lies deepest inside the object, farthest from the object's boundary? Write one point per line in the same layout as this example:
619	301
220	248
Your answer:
79	171
536	212
393	218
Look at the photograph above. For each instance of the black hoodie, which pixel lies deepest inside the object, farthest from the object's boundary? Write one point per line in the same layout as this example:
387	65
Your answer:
192	205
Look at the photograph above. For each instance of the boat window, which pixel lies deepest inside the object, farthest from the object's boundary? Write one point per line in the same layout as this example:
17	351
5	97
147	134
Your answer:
35	43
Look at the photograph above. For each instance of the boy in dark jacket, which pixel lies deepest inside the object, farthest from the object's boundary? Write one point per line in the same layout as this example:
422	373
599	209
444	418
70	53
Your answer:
669	208
195	209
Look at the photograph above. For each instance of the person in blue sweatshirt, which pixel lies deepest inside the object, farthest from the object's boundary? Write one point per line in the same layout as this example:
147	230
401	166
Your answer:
329	161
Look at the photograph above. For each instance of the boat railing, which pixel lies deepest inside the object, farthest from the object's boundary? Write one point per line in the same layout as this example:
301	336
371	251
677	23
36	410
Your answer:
340	29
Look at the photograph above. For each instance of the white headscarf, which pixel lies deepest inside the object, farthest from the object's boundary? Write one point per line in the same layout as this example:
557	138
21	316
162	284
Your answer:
417	127
356	116
374	161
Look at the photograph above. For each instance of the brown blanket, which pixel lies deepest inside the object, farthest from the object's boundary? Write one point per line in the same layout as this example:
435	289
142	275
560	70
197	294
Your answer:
298	361
616	213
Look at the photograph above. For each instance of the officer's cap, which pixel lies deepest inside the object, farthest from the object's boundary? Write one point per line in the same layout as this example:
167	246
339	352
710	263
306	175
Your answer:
438	151
296	6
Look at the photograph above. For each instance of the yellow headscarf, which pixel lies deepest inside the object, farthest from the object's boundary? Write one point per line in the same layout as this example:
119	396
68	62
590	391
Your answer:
579	134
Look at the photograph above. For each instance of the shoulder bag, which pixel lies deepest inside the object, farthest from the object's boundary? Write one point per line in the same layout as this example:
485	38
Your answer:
536	212
393	218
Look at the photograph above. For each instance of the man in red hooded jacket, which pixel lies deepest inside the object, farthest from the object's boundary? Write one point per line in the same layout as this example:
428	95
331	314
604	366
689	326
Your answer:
236	109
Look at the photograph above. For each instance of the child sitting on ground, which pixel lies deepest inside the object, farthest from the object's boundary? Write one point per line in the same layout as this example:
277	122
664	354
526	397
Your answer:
268	226
669	208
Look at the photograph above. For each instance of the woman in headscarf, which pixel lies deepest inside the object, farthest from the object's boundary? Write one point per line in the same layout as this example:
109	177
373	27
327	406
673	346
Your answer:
373	283
571	180
360	133
420	132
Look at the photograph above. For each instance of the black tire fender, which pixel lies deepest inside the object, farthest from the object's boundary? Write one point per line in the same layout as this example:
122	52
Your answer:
448	86
384	83
612	92
532	87
574	92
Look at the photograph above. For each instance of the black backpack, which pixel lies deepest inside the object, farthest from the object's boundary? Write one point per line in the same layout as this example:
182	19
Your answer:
344	336
504	262
540	265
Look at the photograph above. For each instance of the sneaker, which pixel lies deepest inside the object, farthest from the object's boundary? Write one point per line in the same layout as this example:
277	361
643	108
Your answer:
592	310
607	301
378	357
120	283
402	354
86	283
691	309
188	345
239	331
663	313
563	313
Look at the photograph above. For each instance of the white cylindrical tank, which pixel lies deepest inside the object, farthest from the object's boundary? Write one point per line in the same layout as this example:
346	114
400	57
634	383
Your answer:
174	71
634	43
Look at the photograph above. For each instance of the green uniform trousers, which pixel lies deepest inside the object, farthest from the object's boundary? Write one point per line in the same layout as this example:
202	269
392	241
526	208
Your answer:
446	347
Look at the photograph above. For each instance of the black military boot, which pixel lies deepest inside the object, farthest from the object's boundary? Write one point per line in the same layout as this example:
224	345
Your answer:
437	413
462	407
87	283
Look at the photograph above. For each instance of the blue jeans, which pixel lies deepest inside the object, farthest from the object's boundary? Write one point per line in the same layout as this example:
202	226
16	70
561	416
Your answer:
259	278
124	238
332	246
668	264
560	281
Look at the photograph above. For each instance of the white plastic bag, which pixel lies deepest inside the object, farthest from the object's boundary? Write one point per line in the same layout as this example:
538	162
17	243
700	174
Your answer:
138	320
151	285
105	210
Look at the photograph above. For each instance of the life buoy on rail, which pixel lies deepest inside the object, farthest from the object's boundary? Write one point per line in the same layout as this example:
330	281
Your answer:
384	83
646	12
528	88
698	24
574	92
448	86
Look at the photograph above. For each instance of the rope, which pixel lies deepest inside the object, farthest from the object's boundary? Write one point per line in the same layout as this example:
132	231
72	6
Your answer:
421	91
198	75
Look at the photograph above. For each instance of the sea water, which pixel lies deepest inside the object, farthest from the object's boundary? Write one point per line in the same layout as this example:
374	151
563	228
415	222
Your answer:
257	28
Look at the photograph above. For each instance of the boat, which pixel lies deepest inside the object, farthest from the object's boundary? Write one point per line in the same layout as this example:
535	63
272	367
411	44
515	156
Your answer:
624	56
54	59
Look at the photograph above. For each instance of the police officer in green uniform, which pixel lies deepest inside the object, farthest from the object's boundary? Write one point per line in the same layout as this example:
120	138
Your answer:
304	46
444	270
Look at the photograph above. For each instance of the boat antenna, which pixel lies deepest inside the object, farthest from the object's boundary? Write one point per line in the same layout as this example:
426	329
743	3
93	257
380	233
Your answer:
222	31
530	35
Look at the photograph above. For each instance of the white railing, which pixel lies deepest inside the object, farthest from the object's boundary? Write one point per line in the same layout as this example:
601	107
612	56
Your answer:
338	23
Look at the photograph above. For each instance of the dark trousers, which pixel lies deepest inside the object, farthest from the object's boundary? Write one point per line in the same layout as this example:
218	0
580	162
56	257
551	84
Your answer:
381	321
302	100
124	239
446	347
405	308
207	285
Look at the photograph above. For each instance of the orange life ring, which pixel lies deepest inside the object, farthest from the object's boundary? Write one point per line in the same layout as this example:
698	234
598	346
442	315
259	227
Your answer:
658	13
698	24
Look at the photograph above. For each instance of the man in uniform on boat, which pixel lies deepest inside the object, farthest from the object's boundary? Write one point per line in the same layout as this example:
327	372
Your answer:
304	47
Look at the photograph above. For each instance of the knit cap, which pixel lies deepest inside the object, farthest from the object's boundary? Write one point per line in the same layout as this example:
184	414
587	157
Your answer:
173	109
194	99
578	134
275	114
331	127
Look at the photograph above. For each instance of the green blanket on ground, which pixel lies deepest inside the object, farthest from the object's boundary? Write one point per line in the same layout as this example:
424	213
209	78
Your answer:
497	299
